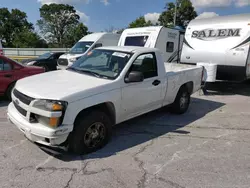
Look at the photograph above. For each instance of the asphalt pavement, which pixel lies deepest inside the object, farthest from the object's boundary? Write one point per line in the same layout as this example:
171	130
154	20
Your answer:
209	146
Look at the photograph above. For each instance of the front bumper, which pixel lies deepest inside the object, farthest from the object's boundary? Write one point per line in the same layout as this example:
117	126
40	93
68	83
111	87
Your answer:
37	132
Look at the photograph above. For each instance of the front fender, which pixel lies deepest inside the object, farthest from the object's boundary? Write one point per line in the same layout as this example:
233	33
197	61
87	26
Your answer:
74	108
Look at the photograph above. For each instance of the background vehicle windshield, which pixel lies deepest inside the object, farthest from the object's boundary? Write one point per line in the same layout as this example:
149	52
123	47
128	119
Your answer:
45	56
80	47
105	63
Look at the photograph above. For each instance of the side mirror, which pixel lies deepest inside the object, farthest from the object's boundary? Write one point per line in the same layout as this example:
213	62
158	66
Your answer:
134	76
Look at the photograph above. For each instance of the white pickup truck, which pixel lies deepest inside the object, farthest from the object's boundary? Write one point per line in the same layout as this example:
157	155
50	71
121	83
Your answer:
76	108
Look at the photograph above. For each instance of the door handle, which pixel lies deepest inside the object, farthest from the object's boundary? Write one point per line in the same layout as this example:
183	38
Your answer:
8	75
156	82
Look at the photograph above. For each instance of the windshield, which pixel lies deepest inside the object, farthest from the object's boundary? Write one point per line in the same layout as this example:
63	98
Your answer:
102	63
136	41
80	47
45	56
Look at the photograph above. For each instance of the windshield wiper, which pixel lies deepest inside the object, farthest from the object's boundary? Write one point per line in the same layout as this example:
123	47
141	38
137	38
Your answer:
88	72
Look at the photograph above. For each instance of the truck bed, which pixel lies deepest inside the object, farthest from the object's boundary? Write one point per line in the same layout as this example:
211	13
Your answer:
177	67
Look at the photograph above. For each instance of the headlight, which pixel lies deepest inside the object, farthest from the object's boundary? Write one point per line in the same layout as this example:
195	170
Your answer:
74	59
31	63
50	105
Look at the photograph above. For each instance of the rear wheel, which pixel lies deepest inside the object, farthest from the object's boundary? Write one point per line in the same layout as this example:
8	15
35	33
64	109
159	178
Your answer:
91	132
9	91
181	102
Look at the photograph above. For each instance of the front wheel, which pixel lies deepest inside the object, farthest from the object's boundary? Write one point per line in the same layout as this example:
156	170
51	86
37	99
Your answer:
181	102
91	133
46	68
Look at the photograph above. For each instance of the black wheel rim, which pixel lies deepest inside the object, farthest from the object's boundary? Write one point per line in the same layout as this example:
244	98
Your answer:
184	100
94	135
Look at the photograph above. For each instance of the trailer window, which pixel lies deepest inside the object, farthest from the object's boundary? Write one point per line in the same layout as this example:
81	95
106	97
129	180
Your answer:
170	47
136	41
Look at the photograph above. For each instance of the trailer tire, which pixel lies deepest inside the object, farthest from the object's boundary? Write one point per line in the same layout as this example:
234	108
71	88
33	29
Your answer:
182	101
91	132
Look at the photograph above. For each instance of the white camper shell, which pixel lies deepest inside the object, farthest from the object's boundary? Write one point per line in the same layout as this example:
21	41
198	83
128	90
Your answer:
86	44
168	41
224	41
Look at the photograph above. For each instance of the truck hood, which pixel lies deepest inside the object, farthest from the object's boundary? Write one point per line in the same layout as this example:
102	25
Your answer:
63	85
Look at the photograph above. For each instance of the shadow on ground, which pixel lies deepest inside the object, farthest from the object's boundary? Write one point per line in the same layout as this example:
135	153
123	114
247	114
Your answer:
144	128
228	88
3	102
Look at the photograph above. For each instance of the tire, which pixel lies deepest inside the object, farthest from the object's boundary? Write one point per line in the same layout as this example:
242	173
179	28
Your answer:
182	101
46	69
86	128
9	91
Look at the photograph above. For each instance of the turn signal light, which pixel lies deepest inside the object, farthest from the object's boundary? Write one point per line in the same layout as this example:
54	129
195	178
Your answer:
53	121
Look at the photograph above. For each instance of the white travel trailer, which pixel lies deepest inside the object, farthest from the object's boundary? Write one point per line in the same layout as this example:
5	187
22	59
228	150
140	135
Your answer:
86	44
168	41
224	41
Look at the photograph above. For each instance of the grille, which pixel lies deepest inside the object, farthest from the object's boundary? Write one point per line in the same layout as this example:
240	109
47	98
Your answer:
23	98
20	110
63	62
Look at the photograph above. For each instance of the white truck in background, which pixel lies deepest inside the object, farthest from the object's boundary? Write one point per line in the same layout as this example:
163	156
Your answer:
86	44
168	41
77	107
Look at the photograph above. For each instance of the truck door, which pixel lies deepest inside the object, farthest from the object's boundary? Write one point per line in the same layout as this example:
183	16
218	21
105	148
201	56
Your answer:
142	96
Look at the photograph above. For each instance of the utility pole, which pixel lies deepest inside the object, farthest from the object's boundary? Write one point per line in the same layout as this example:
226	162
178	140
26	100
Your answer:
175	13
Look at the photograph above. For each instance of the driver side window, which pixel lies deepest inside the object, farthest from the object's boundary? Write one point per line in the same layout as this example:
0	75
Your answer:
146	63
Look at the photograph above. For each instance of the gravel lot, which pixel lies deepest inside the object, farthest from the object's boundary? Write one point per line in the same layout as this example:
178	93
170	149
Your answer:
207	147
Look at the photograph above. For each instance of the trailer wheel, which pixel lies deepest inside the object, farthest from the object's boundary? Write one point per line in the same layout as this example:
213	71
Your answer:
181	102
91	133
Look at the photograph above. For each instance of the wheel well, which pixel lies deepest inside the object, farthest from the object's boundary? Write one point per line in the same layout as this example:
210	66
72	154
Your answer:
14	82
107	107
189	86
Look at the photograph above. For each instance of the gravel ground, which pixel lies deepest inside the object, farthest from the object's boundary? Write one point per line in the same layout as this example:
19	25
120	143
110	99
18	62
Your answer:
209	146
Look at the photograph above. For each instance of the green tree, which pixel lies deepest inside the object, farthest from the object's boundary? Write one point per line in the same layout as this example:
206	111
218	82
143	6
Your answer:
75	34
57	22
29	39
140	22
12	23
185	13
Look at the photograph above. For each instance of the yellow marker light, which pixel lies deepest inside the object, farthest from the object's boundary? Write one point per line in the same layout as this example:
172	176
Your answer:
57	107
53	121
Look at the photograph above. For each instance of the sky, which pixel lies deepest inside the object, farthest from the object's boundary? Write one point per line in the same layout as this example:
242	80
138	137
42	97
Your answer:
100	15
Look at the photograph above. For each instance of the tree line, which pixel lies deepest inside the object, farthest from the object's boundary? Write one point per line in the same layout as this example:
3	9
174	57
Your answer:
59	25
